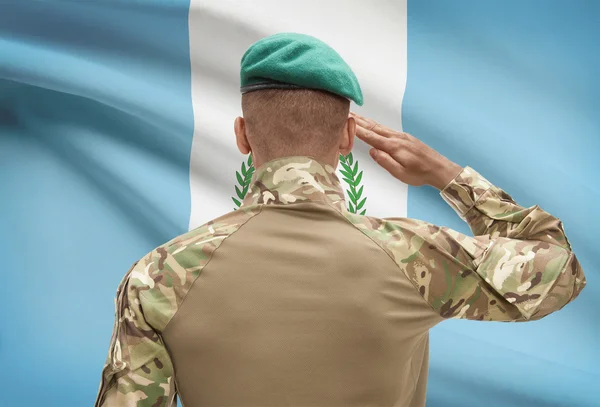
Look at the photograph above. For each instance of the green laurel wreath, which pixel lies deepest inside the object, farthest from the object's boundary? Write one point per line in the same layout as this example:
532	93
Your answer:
352	177
244	181
350	171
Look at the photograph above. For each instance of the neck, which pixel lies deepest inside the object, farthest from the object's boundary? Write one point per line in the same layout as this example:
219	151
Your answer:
331	159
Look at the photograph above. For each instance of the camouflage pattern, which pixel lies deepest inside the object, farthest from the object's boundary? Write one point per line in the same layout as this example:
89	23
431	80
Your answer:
497	214
295	179
518	267
138	370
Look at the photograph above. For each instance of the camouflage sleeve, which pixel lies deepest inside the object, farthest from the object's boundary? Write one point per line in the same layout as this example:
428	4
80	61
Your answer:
138	370
518	267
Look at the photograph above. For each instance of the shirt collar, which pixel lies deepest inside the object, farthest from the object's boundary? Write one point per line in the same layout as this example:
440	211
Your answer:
292	179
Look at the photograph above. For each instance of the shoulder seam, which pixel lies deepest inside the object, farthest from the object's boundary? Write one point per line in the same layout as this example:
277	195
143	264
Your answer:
391	258
260	207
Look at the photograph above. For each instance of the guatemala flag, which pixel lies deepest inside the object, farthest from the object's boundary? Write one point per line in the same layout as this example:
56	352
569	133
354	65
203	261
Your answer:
116	135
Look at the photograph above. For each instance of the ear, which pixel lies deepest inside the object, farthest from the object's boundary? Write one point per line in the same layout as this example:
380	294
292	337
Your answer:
239	127
347	141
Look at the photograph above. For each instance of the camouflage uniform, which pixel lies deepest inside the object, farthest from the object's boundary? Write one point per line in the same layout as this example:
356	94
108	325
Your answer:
292	300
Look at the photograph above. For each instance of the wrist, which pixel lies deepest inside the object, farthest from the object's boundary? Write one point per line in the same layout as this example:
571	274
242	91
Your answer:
444	174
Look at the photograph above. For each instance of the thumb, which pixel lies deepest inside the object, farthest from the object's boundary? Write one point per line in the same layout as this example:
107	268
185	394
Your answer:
387	162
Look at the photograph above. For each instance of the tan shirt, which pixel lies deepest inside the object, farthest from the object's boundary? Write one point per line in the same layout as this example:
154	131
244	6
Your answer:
292	300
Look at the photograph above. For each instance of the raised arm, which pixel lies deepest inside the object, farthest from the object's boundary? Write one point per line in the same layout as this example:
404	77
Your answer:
519	265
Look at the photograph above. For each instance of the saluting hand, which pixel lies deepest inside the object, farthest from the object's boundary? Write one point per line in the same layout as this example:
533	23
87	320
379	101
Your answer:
404	156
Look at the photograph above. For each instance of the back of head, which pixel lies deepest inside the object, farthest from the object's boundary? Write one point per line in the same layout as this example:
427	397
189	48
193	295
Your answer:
284	122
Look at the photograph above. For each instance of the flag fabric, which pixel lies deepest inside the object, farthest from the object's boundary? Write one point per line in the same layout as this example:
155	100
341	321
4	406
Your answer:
116	135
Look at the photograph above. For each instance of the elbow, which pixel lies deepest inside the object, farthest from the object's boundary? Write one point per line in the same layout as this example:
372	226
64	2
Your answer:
566	288
576	277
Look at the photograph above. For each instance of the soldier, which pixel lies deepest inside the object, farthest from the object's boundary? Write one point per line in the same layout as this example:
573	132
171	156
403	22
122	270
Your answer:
292	300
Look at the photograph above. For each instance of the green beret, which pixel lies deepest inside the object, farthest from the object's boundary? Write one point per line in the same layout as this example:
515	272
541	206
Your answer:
296	61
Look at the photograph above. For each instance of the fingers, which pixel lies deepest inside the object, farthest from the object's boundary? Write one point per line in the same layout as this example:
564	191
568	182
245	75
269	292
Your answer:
388	163
372	125
374	139
387	144
364	122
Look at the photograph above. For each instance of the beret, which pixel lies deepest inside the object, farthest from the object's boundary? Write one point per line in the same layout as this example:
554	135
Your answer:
297	61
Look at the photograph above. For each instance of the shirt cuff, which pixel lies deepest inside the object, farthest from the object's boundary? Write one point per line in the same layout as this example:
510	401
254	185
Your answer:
463	192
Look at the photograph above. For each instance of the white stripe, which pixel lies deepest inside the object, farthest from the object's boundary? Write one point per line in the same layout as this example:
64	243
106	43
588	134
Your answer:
370	36
211	239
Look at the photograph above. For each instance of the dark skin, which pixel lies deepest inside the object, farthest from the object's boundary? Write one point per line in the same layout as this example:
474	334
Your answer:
404	156
344	147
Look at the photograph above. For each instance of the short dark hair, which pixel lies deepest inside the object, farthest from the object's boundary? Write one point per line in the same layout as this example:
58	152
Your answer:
282	122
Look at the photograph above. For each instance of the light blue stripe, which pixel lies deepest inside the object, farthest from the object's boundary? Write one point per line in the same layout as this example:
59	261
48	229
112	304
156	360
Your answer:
511	89
96	129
